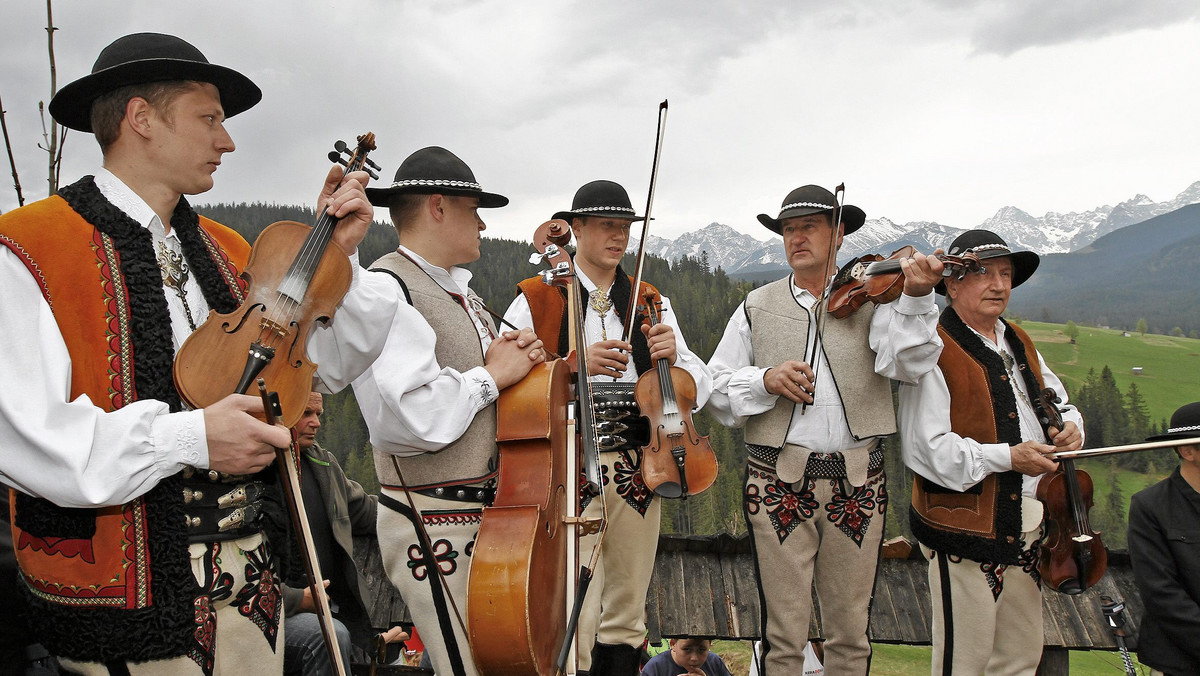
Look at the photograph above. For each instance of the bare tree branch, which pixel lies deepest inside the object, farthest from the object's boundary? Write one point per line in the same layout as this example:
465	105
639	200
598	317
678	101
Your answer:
54	146
11	162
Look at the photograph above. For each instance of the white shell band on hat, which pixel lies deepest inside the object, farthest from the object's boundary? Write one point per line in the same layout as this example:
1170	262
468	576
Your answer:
990	247
436	182
586	209
793	205
1188	428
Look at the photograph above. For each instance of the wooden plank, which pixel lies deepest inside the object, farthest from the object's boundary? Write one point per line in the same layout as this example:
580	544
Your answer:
885	617
746	599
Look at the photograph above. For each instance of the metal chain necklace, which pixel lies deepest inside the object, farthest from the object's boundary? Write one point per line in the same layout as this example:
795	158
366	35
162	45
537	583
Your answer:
599	301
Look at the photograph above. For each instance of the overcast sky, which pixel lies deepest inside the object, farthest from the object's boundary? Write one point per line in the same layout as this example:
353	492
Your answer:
928	110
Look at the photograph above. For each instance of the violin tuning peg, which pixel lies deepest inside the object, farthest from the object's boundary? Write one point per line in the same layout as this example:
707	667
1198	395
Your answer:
371	172
341	147
334	156
535	258
370	163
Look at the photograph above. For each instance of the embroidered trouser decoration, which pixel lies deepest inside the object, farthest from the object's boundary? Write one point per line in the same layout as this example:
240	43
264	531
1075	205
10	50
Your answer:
820	532
452	528
615	606
237	615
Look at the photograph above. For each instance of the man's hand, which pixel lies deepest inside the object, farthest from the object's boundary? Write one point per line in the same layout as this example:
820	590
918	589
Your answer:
661	340
791	379
608	358
508	360
348	203
239	443
921	273
308	604
1069	438
1029	458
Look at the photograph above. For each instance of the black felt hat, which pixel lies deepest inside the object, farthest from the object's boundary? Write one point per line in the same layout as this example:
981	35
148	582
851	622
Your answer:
813	199
149	57
434	170
604	199
987	244
1185	424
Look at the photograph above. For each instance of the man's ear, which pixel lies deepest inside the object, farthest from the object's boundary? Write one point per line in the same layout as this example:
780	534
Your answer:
139	116
436	206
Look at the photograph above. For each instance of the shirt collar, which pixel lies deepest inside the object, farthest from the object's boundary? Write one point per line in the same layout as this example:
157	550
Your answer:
456	280
124	198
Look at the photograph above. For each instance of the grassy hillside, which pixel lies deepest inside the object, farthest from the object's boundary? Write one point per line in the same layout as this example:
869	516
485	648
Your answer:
1170	365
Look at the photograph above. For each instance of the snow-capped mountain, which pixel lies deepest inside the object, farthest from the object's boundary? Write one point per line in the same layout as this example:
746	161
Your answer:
1054	232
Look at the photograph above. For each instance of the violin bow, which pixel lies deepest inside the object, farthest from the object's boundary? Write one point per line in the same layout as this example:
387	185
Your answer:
290	481
1127	448
823	301
641	257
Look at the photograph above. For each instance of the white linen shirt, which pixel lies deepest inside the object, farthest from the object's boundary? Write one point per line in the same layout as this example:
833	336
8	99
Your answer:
75	454
903	336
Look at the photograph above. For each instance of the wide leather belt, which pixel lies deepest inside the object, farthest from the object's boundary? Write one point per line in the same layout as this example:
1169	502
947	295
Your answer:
820	465
619	422
221	506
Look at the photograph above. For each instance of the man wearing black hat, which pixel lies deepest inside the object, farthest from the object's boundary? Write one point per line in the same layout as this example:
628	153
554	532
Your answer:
971	434
814	408
1164	548
429	400
614	611
103	282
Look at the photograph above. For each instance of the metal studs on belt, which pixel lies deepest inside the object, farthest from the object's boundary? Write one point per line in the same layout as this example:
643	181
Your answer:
439	491
461	494
189	495
191	521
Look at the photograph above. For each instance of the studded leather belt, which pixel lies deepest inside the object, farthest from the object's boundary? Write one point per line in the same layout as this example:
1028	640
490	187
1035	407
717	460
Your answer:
220	507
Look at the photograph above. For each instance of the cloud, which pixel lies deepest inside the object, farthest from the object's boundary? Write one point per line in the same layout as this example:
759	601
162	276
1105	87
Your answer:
1005	27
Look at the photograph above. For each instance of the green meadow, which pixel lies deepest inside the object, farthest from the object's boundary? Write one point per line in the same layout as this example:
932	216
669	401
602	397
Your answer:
1170	366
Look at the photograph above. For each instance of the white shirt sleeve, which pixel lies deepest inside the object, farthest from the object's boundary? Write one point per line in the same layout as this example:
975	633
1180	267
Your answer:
355	335
520	315
738	390
411	403
71	452
905	339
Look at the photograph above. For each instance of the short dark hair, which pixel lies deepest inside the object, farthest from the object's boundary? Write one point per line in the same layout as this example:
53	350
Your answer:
404	208
109	109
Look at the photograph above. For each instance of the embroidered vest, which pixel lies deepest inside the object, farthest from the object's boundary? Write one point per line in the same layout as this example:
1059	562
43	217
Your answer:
779	332
982	523
112	583
548	305
471	459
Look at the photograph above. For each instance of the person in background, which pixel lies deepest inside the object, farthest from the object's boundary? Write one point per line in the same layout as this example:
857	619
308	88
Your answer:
1164	548
687	656
338	511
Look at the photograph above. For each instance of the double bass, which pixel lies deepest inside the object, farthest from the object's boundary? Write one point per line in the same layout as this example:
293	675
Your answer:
517	594
1072	557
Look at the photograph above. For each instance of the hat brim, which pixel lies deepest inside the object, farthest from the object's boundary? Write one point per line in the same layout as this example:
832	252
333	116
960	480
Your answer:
72	105
1173	436
568	215
1025	263
853	218
382	197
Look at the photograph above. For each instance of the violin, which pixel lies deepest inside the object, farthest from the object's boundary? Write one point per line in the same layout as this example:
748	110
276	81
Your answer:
677	462
1071	557
875	279
295	279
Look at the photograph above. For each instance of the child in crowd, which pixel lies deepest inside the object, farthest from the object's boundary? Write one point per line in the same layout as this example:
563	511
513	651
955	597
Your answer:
687	656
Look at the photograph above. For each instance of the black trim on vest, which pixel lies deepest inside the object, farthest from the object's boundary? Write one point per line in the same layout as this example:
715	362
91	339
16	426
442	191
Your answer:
1008	430
620	293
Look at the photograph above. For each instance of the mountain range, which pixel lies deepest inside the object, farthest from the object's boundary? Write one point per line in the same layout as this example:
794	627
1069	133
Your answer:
745	256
